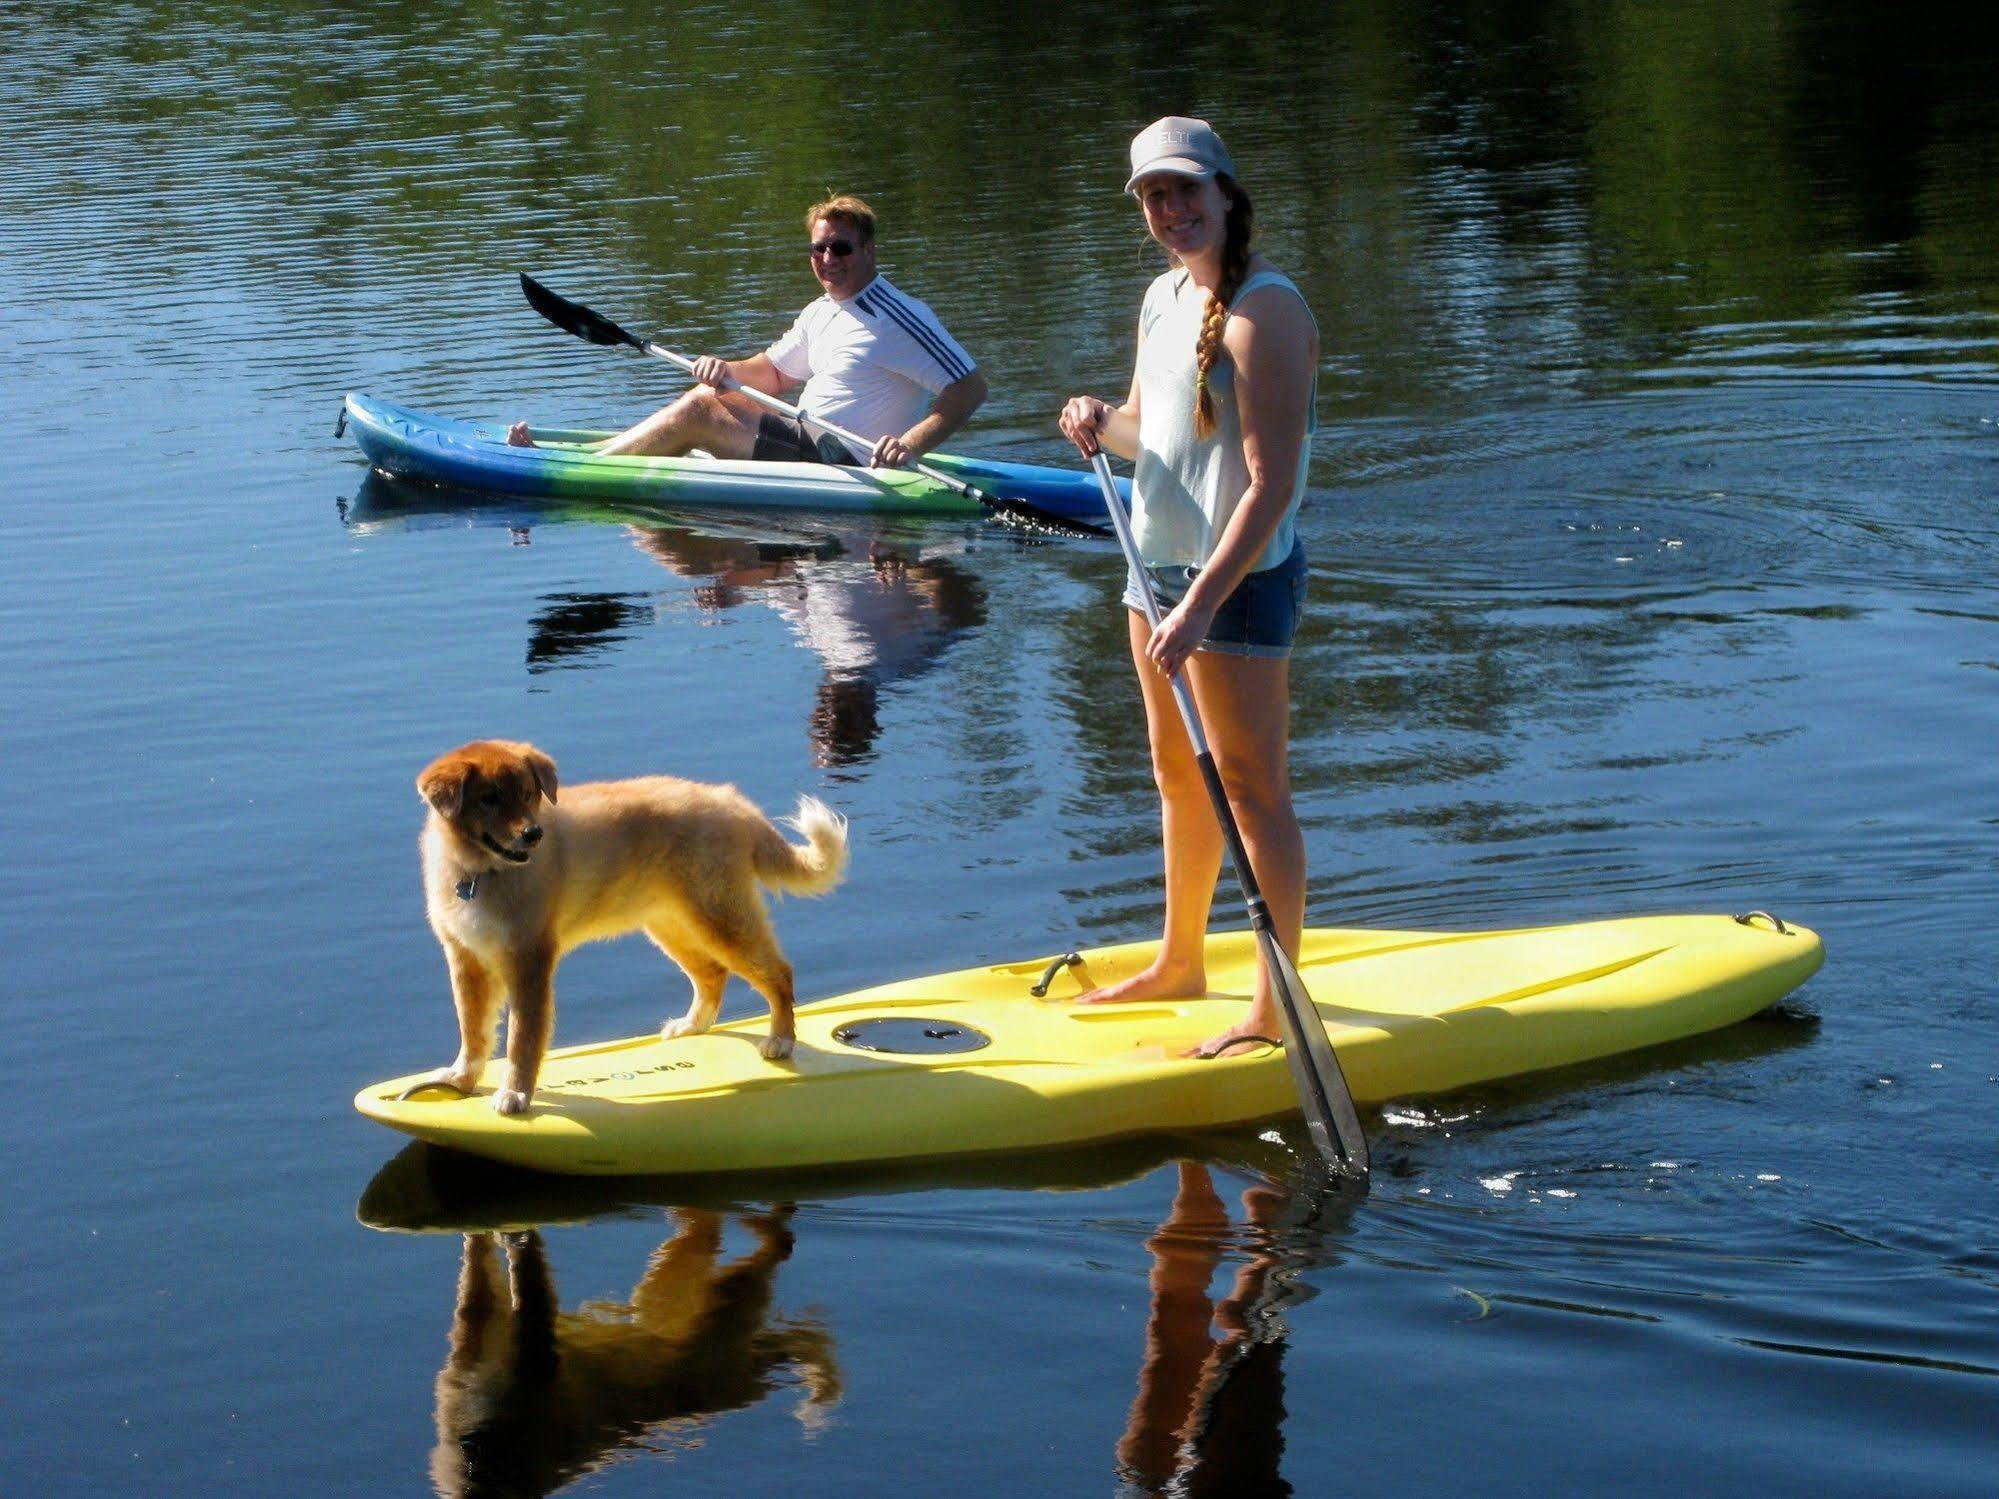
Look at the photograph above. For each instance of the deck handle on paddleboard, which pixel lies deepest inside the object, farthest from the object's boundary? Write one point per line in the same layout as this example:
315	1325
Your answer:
1776	921
340	425
1071	959
426	1085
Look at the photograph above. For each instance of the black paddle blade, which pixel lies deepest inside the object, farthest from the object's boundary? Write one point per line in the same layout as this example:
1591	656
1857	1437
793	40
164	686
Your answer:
574	317
1330	1116
1033	518
1022	513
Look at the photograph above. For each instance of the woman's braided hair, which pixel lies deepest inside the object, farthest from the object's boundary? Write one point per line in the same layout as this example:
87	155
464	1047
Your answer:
1241	224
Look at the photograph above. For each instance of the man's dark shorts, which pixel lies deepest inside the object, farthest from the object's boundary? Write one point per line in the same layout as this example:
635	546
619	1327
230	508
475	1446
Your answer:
784	439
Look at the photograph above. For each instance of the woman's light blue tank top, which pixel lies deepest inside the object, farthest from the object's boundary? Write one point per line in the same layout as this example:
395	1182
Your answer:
1187	487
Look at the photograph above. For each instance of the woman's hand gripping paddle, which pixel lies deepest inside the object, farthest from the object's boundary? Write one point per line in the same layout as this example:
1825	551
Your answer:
1322	1087
574	317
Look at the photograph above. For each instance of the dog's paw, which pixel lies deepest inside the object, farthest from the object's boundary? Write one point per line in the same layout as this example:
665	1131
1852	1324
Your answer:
509	1101
775	1048
673	1030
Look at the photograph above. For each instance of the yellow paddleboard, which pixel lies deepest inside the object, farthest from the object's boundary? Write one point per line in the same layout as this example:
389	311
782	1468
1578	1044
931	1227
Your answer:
971	1062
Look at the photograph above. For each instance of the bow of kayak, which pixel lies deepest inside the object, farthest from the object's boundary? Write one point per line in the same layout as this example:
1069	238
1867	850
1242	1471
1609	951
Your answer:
412	444
973	1062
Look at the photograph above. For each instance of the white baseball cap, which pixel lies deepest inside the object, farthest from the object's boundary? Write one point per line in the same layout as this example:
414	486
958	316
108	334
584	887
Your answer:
1187	147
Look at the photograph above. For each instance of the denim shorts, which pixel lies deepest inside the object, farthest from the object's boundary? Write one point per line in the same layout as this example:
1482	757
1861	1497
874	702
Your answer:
1259	619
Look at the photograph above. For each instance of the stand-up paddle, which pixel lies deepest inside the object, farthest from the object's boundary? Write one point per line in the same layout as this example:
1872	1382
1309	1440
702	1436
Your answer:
574	317
1322	1087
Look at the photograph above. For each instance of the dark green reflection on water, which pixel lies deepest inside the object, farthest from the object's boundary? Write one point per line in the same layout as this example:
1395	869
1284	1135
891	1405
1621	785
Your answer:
1558	194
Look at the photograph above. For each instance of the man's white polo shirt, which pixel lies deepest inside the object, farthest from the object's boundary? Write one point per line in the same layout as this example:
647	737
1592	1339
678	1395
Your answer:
872	363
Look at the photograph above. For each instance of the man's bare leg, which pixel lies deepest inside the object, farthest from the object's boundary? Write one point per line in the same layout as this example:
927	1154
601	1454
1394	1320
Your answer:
717	421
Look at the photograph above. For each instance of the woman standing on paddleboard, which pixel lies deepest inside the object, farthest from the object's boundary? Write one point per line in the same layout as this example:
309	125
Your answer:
1219	424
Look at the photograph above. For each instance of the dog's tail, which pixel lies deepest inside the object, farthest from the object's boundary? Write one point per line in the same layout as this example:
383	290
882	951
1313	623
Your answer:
812	870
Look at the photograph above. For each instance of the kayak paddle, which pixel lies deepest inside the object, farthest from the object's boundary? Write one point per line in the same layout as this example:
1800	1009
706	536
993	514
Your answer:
1322	1088
574	317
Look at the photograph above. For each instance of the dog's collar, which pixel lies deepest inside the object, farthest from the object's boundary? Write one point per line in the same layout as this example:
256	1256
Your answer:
468	887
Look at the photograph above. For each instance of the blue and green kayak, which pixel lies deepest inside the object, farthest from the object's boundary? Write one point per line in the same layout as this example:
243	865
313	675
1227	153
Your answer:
475	455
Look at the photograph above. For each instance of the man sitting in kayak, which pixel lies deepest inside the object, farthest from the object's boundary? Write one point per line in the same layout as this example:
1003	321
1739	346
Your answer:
872	359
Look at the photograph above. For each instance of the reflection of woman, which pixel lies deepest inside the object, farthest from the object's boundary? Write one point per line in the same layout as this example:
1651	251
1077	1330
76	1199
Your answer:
1218	421
1208	1415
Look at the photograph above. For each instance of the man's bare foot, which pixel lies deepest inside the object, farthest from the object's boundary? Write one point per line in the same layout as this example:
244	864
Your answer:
517	436
1155	982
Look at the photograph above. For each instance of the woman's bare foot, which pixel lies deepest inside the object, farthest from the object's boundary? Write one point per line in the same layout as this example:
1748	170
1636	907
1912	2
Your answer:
517	436
1158	981
1263	1030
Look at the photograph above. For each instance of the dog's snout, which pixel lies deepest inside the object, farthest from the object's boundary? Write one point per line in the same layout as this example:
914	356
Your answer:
533	834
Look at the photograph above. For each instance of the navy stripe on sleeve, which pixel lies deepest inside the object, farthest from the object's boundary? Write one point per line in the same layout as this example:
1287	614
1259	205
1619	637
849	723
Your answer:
926	333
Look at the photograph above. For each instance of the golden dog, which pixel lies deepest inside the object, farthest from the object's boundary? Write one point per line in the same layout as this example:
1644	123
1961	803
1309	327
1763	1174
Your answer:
512	881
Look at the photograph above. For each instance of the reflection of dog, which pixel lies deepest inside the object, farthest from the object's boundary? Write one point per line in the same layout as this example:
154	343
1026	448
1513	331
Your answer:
531	1396
510	889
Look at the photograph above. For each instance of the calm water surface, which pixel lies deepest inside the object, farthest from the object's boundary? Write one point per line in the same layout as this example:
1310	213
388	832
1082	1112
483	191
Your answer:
1654	539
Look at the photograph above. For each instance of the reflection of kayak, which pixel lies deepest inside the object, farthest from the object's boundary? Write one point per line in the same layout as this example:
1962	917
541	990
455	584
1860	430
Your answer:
439	450
971	1062
382	504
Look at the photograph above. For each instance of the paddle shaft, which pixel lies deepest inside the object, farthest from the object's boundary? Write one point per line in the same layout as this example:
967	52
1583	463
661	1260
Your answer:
1330	1116
782	407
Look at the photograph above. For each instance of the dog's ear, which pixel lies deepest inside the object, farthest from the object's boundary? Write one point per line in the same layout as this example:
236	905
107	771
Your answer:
442	784
544	770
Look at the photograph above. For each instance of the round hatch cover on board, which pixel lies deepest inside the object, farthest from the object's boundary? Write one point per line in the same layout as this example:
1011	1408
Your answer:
910	1035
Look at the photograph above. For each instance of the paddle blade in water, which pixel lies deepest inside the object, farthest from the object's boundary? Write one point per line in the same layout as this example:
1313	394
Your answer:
574	317
1330	1116
1031	517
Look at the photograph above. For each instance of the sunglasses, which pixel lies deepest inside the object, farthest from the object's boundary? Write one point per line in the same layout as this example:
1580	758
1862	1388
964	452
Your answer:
839	249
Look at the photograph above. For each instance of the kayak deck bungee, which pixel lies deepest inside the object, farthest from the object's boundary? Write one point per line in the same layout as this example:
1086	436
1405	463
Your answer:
972	1062
440	450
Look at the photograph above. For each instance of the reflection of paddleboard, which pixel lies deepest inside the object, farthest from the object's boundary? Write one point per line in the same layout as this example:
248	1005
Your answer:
971	1062
425	1189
